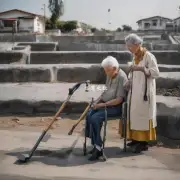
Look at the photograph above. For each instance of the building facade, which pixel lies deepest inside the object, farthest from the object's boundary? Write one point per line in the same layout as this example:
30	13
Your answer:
26	21
177	21
153	23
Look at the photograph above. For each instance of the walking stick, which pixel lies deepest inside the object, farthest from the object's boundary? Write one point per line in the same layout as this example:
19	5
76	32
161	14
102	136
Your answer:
76	124
104	134
85	139
80	119
26	157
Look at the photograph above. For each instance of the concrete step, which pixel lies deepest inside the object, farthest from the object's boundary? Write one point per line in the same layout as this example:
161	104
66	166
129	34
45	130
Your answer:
34	99
72	57
73	73
40	46
115	46
8	57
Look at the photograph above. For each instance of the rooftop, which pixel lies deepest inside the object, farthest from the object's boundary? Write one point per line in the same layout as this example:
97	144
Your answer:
22	11
153	18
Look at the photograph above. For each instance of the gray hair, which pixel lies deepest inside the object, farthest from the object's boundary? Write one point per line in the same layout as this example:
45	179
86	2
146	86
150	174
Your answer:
133	39
110	61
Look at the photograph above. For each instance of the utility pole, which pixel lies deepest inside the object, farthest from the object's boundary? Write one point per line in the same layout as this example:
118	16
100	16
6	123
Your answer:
44	8
178	21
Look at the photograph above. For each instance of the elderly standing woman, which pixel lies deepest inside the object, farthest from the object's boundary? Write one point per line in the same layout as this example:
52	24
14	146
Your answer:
142	95
112	98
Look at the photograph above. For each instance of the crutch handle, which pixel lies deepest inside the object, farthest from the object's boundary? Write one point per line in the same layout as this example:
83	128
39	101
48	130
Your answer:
76	86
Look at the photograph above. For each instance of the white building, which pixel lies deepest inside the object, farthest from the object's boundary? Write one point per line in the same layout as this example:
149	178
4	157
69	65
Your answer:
153	23
28	22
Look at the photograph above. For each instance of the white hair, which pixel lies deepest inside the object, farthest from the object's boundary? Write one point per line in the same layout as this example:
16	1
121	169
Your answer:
110	61
133	39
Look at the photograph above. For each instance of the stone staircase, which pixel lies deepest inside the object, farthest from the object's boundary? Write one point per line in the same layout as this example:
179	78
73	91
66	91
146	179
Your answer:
38	83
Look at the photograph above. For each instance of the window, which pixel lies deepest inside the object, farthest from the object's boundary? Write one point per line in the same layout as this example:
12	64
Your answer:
154	22
146	25
8	23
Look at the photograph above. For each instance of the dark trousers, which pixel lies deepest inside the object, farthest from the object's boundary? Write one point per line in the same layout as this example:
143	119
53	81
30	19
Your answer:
94	122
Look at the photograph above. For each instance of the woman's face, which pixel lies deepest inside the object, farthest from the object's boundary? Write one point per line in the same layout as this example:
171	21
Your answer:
132	48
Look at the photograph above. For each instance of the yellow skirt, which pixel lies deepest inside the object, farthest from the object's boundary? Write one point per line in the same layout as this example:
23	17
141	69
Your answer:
149	135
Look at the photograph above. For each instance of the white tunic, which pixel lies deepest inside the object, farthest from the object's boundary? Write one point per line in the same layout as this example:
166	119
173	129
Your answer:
140	111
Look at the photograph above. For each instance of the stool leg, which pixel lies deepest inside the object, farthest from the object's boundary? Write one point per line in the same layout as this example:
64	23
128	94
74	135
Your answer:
104	135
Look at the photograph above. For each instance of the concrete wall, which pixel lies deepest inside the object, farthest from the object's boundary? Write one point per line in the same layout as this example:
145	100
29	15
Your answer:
87	46
93	57
86	43
74	73
70	39
24	74
40	46
165	46
17	38
39	25
76	57
92	47
13	57
24	48
167	57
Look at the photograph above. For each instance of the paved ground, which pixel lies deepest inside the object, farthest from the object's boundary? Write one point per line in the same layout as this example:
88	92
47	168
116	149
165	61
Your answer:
60	158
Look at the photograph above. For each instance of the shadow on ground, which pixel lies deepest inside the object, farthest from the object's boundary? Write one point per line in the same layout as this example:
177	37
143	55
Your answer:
67	157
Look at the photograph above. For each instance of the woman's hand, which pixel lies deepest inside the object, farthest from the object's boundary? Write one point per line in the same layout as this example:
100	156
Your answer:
140	68
99	105
137	68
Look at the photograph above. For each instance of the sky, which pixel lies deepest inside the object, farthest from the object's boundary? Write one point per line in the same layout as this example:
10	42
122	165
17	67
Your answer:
95	12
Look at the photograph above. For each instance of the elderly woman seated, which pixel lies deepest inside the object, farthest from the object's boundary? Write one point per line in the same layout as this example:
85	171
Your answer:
112	98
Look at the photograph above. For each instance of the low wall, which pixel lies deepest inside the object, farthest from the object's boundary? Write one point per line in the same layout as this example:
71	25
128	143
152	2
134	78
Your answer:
96	57
70	39
17	38
22	48
88	46
24	73
92	47
72	73
36	46
168	80
8	57
165	46
76	57
167	57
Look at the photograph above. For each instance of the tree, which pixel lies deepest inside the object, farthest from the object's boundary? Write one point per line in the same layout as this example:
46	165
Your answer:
118	29
127	28
57	10
69	26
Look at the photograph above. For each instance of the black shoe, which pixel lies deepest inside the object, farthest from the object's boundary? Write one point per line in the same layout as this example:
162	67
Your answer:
92	151
96	155
132	143
145	146
139	147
